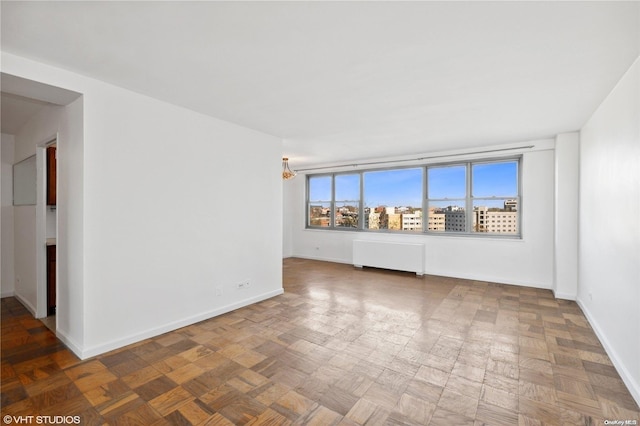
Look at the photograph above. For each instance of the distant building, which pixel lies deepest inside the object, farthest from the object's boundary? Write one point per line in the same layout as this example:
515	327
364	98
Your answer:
448	219
493	220
511	205
373	220
394	221
347	217
435	220
455	219
319	216
412	221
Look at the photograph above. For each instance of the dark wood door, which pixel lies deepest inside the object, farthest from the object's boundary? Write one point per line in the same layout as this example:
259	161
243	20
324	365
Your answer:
51	176
51	280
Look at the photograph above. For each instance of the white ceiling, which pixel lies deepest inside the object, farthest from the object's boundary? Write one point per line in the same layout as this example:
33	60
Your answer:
347	80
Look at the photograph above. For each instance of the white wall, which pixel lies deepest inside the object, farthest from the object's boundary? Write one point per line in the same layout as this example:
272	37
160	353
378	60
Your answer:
7	276
567	170
70	241
288	215
175	207
528	261
609	243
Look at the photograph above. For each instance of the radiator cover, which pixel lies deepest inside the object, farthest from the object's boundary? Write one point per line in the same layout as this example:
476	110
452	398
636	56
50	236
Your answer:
389	255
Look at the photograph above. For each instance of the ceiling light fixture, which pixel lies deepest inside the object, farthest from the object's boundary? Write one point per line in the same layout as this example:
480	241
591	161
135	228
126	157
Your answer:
286	171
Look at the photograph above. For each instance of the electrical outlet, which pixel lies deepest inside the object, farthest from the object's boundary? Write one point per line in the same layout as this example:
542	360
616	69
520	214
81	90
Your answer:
218	291
590	296
243	285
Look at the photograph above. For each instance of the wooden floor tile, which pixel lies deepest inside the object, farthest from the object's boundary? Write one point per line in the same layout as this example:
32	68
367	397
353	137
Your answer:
342	346
458	403
416	409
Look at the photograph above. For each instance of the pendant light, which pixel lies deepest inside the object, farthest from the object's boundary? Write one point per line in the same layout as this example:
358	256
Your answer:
286	171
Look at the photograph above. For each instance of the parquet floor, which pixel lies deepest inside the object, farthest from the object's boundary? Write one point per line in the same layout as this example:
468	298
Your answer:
341	346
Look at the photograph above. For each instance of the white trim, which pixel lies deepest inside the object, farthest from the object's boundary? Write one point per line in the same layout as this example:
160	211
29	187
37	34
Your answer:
490	279
7	294
41	226
41	232
115	344
471	277
70	343
322	259
625	375
565	296
26	304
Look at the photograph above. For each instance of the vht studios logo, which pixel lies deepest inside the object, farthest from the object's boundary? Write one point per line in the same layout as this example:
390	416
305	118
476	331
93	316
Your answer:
41	420
620	422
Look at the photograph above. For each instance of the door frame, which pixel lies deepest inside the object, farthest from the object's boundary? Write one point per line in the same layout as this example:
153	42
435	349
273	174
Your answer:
41	226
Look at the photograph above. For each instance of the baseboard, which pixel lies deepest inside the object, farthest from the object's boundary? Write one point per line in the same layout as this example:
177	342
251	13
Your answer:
490	279
627	378
26	304
321	259
7	294
564	296
441	274
69	343
156	331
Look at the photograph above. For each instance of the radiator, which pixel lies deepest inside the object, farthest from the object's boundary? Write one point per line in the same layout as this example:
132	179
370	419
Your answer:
389	255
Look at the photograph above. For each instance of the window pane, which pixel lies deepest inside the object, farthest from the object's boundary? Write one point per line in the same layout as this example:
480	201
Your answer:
447	182
320	188
320	214
495	179
391	194
447	216
495	216
347	214
393	188
347	187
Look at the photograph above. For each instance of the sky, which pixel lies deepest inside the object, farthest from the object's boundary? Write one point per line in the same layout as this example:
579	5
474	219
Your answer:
403	187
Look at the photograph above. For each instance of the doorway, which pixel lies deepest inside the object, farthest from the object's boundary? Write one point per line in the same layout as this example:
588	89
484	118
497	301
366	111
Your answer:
49	194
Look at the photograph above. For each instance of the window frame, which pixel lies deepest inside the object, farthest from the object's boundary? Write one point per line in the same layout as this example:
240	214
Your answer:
362	195
309	201
332	203
334	210
467	201
470	198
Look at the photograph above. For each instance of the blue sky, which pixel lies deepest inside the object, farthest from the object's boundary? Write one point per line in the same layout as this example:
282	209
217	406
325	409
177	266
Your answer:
403	187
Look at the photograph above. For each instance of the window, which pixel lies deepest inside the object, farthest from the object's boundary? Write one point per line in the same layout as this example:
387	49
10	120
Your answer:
393	199
320	189
467	198
473	194
347	204
446	187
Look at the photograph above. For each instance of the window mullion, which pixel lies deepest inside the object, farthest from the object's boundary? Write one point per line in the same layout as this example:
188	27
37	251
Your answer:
332	219
425	202
361	208
469	200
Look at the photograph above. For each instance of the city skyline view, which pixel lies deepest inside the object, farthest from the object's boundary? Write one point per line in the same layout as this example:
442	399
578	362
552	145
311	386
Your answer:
482	218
